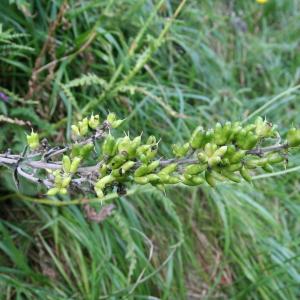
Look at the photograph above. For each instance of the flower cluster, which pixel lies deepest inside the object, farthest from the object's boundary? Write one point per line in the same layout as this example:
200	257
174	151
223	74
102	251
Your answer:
99	162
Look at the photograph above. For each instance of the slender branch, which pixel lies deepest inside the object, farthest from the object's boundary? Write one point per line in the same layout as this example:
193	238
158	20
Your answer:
32	178
260	151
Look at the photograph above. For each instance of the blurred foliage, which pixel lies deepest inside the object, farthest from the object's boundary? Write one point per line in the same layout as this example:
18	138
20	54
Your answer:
212	61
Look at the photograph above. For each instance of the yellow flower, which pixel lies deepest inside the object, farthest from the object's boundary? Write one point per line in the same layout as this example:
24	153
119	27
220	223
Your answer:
262	1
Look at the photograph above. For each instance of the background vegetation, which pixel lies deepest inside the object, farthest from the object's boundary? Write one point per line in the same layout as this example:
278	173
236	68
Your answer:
167	66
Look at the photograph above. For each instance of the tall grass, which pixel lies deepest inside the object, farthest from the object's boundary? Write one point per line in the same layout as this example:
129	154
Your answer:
167	66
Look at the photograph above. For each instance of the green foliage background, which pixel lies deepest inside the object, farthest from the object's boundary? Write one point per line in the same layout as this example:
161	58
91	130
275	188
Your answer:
216	61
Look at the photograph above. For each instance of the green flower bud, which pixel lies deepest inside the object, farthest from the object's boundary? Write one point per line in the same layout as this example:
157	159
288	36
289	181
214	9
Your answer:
102	182
113	121
210	179
117	172
173	180
150	154
63	191
268	168
117	161
127	166
180	150
75	132
263	128
208	136
237	156
153	178
275	158
231	176
293	137
75	164
153	165
168	169
231	150
103	170
111	117
198	180
151	140
164	178
141	180
251	163
53	191
56	172
197	139
246	140
94	121
234	167
216	173
75	150
213	161
99	192
83	127
141	171
66	181
245	174
123	169
210	149
192	180
86	150
141	150
116	123
135	143
57	179
109	147
33	140
66	163
221	151
222	134
195	169
262	161
250	127
202	157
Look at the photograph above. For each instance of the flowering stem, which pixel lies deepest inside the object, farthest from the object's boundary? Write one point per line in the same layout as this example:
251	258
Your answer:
13	161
